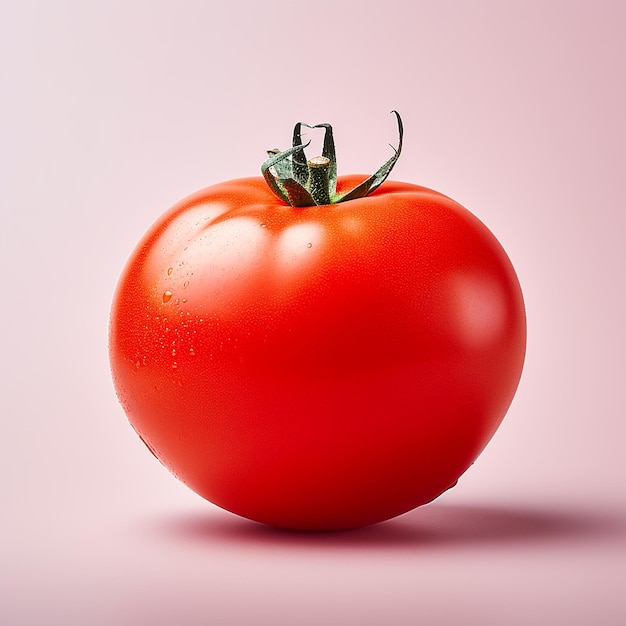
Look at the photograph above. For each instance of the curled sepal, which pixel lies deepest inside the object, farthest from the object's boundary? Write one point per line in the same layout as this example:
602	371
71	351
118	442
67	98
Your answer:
283	167
298	158
284	184
375	180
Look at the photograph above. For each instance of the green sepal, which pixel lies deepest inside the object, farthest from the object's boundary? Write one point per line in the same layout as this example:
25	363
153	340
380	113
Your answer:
298	159
297	194
283	167
375	180
284	186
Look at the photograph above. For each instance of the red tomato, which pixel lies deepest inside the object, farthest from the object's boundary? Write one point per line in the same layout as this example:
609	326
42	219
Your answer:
322	367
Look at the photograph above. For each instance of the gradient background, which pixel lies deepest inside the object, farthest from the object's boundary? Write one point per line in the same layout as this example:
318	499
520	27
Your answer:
112	111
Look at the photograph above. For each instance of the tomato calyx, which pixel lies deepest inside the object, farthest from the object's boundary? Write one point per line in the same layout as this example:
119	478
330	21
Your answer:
300	182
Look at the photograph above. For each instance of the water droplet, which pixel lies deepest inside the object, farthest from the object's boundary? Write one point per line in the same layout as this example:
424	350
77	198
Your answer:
185	284
174	365
192	351
169	271
309	245
263	225
184	300
174	352
167	296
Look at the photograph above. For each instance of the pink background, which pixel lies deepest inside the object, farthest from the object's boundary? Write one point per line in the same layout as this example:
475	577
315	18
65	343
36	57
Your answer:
112	111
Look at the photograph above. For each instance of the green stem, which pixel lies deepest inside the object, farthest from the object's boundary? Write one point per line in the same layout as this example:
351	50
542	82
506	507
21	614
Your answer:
318	182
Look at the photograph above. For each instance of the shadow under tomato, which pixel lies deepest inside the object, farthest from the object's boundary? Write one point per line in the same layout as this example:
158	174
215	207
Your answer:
428	526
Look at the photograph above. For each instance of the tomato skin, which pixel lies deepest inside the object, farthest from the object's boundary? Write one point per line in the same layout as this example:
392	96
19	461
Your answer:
323	367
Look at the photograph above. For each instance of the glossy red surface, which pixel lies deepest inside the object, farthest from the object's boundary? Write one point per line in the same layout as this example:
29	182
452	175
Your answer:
320	367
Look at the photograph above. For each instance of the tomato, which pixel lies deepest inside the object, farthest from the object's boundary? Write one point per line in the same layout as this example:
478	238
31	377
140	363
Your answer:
318	367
